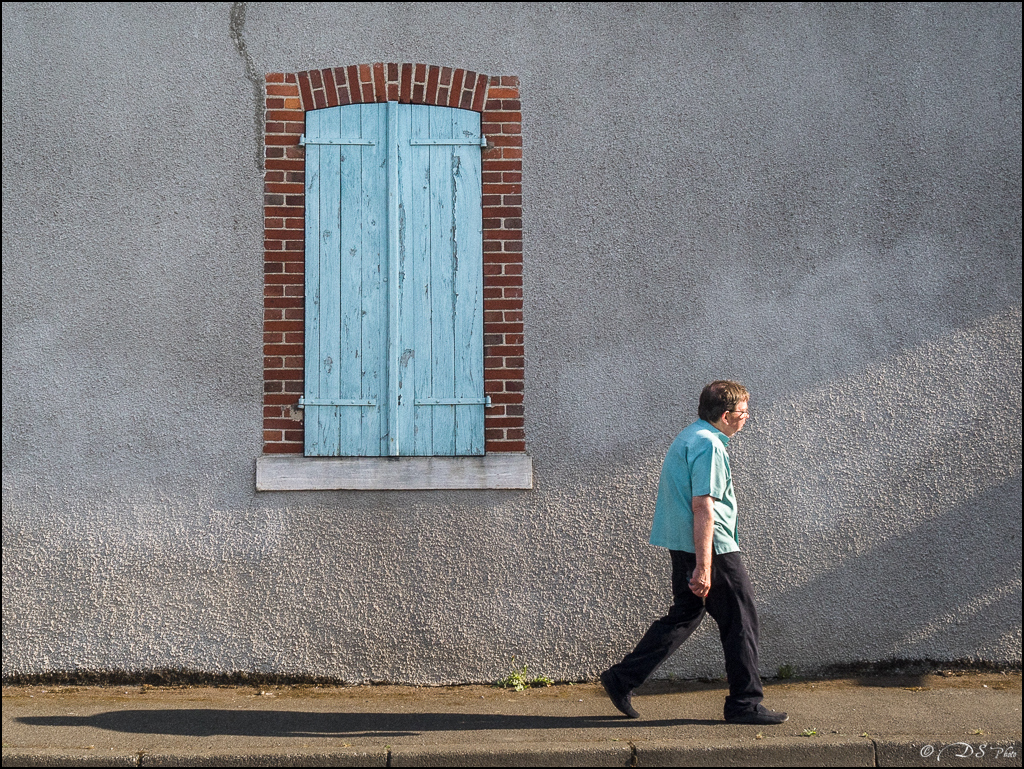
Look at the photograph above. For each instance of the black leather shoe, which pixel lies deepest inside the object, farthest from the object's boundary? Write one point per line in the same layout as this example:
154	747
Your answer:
760	716
620	698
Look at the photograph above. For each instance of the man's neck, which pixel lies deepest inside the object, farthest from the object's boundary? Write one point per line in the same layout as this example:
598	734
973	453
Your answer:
725	429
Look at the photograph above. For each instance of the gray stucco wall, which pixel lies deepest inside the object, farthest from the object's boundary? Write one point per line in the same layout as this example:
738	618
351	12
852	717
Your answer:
823	202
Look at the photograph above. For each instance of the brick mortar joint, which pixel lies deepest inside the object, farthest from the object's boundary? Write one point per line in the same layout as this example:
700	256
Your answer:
373	75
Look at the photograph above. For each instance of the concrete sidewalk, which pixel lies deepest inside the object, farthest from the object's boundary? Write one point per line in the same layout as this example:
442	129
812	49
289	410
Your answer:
971	719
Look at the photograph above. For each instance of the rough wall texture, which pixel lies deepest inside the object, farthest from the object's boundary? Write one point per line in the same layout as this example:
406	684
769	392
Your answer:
821	201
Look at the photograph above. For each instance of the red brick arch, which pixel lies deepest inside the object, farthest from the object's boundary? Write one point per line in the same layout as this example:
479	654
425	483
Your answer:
288	97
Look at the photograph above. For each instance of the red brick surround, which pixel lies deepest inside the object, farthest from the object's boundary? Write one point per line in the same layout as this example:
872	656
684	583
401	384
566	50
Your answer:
288	98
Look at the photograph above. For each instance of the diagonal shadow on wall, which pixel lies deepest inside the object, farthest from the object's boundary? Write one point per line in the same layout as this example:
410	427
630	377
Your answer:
944	590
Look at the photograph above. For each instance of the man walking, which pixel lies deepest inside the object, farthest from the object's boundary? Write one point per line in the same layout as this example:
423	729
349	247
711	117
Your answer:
695	518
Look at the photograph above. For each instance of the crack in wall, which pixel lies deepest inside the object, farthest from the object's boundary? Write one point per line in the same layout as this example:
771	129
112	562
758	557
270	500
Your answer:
236	28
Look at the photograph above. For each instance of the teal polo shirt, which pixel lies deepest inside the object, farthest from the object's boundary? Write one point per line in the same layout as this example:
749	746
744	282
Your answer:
696	464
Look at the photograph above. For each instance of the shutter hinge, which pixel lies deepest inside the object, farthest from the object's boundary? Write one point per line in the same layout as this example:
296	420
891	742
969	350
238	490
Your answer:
485	401
304	140
304	401
481	141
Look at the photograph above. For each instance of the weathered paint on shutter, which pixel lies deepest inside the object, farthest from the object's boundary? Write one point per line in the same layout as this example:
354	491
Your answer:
345	401
373	256
394	277
468	265
441	269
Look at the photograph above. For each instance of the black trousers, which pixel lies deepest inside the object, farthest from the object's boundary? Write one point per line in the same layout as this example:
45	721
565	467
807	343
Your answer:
731	603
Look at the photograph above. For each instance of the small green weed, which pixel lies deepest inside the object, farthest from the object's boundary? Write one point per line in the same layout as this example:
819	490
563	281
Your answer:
520	680
809	733
785	671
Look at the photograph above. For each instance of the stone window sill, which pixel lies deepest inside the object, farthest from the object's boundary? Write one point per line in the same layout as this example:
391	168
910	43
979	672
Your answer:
297	473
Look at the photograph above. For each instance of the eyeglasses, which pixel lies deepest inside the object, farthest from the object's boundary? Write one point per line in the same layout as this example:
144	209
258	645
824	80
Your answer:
743	414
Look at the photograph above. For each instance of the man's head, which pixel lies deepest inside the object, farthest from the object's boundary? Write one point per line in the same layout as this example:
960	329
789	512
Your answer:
724	404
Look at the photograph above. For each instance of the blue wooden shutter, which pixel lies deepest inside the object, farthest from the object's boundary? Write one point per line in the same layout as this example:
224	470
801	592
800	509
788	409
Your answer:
394	282
440	364
346	313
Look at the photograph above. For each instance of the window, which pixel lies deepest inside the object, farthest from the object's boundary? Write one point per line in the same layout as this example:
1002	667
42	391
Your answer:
447	411
394	282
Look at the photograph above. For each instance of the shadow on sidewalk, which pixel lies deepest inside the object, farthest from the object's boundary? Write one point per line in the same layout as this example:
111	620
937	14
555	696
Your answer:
287	723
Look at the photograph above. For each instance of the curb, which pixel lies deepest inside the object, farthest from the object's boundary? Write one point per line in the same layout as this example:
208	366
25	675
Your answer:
904	751
515	754
774	751
790	751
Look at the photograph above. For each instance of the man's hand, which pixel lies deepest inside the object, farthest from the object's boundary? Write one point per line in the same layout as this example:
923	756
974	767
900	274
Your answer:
700	582
703	535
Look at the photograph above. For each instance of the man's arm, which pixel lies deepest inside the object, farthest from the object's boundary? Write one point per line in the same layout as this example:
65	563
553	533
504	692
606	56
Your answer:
703	535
